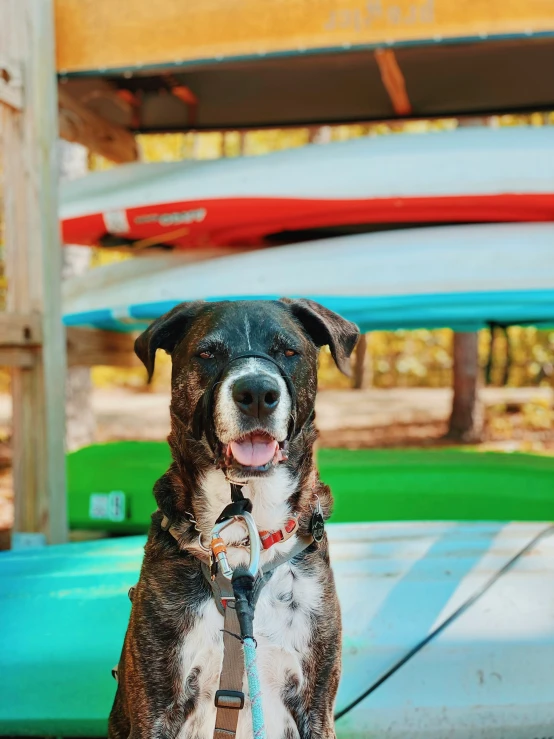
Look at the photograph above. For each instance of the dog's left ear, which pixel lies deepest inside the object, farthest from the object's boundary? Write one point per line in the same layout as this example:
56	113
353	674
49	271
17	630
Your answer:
165	333
327	328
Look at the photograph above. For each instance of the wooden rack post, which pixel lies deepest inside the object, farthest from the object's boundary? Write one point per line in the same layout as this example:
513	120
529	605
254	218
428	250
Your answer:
32	338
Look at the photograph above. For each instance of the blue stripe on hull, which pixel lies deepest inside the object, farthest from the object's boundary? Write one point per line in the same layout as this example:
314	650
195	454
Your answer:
461	311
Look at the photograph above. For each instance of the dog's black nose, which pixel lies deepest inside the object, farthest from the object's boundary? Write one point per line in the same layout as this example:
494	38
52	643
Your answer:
256	395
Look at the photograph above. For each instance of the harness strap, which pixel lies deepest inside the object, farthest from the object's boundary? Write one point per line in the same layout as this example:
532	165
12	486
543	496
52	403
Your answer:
229	699
223	590
237	495
268	538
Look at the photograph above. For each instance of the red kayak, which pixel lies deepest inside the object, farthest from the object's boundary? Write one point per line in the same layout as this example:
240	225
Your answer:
462	176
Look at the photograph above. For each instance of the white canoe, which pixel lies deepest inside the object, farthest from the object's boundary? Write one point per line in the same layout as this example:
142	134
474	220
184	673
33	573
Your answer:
466	175
464	277
487	675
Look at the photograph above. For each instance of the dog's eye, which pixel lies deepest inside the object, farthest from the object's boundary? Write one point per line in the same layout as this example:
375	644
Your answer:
206	355
290	353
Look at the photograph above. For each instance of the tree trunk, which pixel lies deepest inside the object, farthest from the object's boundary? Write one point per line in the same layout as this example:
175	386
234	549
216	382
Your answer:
362	366
466	420
320	135
80	421
490	360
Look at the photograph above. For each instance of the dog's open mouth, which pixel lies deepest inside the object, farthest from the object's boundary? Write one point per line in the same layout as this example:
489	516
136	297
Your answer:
255	451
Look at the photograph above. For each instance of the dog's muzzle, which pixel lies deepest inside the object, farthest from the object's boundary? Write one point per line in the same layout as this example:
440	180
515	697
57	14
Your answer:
204	423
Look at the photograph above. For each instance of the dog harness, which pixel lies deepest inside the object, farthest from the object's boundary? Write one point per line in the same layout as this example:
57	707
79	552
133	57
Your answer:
238	639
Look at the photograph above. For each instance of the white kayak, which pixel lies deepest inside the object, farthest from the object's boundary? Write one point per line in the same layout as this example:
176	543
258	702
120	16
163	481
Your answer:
486	675
464	277
461	176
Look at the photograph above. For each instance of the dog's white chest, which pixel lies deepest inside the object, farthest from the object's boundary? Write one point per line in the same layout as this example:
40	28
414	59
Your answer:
282	627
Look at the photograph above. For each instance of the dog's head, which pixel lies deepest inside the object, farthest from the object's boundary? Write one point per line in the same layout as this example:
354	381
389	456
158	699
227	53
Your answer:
244	375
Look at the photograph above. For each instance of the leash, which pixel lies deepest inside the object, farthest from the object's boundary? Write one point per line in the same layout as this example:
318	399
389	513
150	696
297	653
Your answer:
243	588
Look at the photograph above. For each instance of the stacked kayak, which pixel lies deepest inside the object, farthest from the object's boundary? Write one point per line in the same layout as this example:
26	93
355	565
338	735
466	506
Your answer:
481	595
464	277
461	176
110	485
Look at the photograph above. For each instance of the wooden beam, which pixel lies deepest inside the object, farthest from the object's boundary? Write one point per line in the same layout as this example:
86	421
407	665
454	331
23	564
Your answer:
85	348
394	82
20	330
81	125
17	357
33	267
89	348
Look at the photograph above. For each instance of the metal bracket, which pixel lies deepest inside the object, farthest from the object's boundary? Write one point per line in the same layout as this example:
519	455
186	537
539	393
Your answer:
11	87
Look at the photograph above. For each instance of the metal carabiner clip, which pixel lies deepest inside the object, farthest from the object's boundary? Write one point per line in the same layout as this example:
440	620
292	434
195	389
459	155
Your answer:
219	549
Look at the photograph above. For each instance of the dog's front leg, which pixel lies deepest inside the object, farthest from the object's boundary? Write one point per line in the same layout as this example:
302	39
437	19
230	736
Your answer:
143	710
153	699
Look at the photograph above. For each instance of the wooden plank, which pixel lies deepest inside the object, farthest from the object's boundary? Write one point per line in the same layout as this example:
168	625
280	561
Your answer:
89	348
33	267
393	81
17	357
100	34
20	330
81	125
85	348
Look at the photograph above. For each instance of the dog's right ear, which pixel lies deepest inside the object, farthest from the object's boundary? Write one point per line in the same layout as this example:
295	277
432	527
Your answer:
165	333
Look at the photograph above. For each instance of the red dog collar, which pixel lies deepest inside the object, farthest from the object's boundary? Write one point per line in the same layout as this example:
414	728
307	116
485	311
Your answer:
269	538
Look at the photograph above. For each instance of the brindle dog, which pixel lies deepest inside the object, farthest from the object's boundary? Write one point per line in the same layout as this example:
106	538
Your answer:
172	655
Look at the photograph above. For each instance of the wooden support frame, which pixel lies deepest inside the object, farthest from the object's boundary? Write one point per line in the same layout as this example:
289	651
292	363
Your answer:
80	125
85	347
11	93
31	332
20	330
90	348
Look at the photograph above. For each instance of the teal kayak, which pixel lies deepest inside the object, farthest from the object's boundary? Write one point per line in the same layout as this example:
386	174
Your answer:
486	673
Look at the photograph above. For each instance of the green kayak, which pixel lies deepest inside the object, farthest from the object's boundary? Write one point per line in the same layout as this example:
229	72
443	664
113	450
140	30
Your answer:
110	485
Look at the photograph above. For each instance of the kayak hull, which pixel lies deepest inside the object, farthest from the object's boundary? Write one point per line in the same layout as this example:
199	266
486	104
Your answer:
239	222
463	277
461	176
64	610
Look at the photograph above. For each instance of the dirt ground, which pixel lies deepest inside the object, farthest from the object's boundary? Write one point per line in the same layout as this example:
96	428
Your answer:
515	418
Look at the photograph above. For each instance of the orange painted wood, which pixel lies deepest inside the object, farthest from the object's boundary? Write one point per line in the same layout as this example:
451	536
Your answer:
96	34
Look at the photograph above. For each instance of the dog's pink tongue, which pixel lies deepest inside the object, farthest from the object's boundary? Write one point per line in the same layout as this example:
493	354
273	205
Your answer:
254	451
